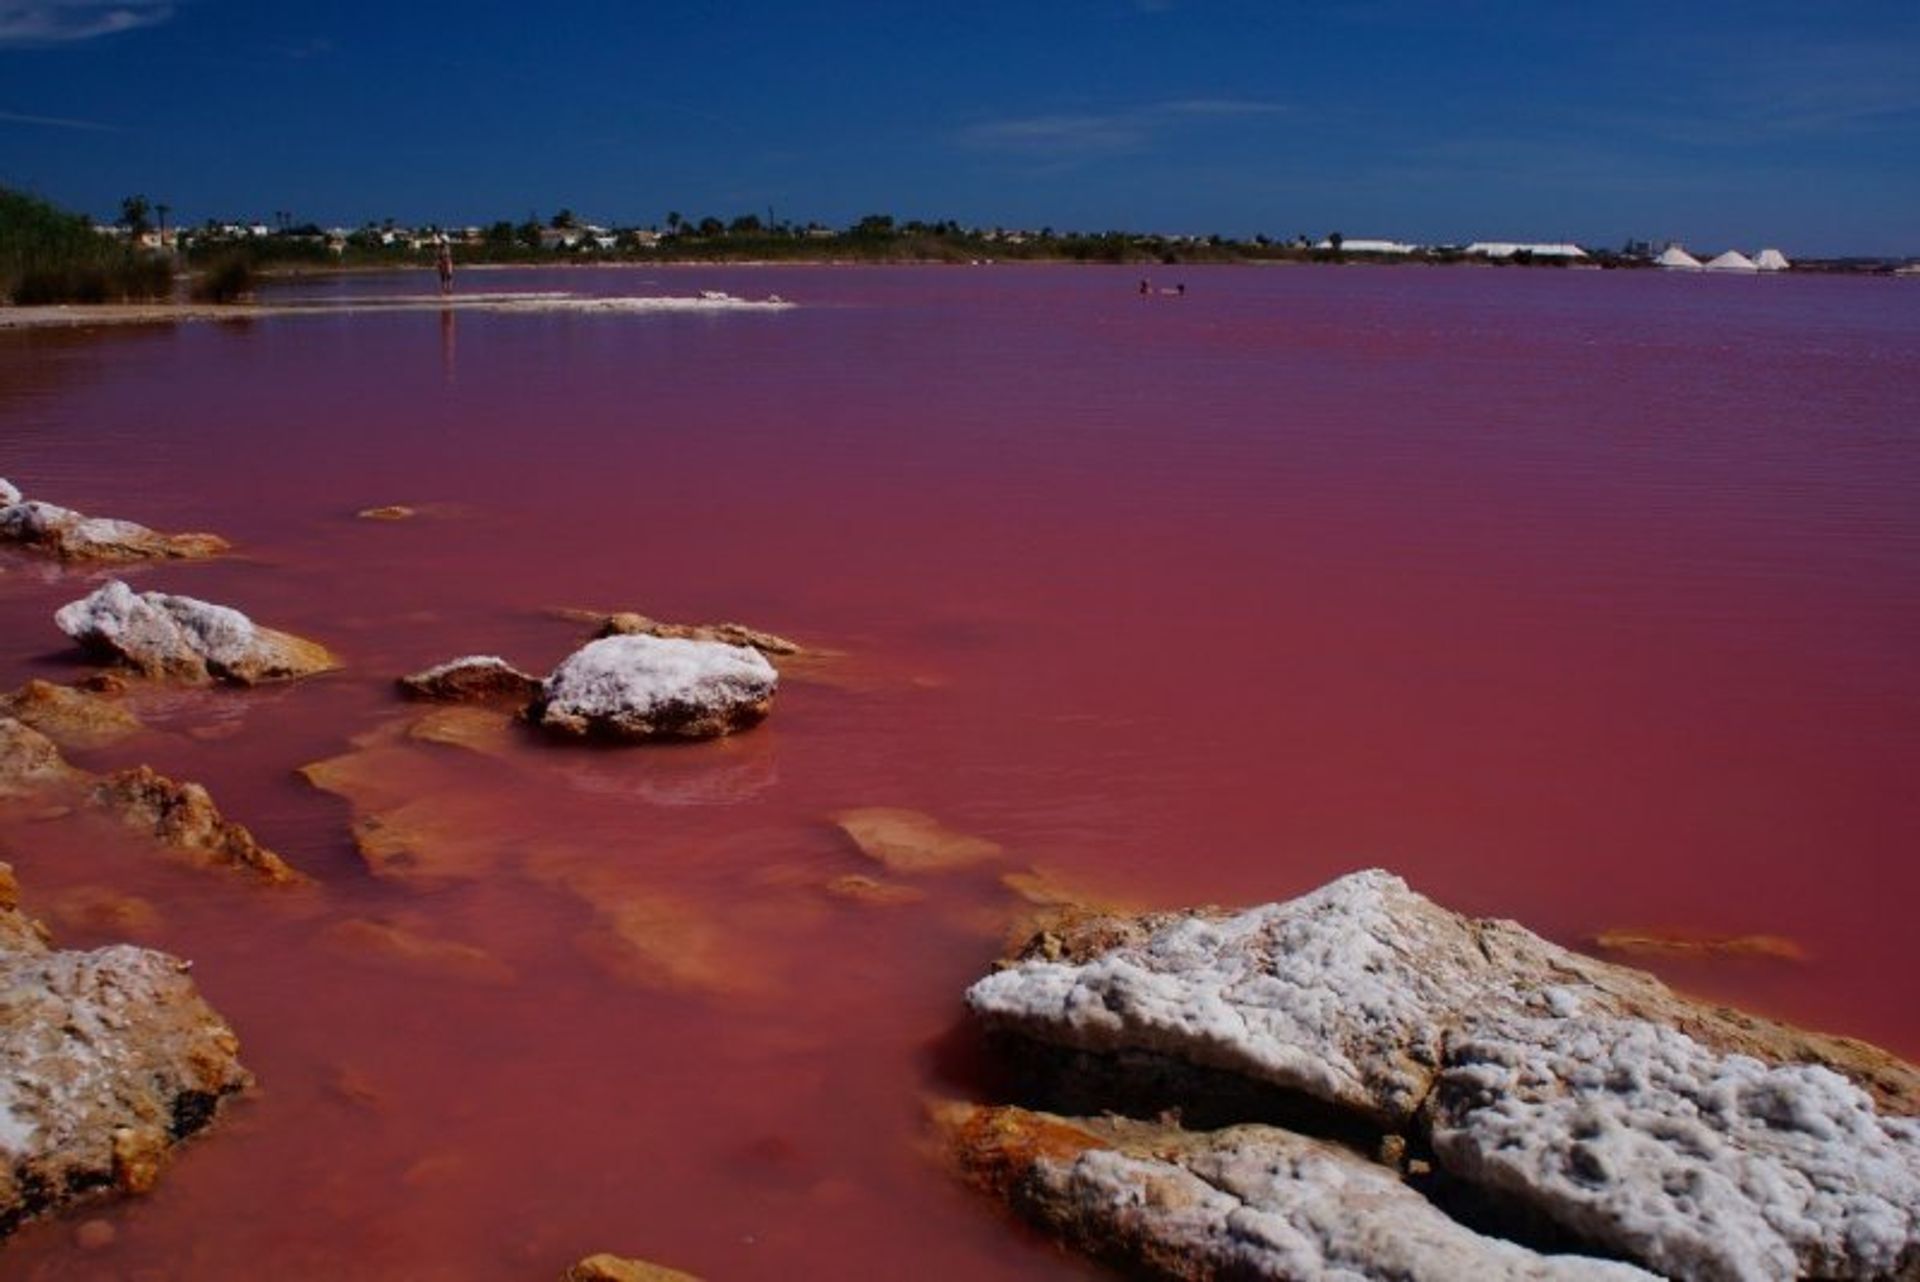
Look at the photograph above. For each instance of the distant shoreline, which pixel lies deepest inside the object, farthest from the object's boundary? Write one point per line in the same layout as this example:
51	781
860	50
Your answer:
84	315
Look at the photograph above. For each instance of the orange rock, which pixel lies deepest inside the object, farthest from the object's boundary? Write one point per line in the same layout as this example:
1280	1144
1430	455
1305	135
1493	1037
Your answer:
31	767
139	1154
913	842
1682	943
629	624
436	838
475	729
71	717
403	828
659	942
614	1268
995	1148
474	678
862	889
182	817
362	937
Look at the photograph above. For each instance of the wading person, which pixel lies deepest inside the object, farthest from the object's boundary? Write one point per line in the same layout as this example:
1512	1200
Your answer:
443	262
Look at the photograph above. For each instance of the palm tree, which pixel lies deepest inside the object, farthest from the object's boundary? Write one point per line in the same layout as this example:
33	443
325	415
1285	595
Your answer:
133	216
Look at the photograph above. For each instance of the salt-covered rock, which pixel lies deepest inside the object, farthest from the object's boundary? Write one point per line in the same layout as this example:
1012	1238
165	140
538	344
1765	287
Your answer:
1247	1202
1698	1164
9	493
107	1059
472	678
1694	1139
645	687
185	639
72	536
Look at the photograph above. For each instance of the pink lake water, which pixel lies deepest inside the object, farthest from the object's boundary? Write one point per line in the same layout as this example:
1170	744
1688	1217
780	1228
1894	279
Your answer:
1583	598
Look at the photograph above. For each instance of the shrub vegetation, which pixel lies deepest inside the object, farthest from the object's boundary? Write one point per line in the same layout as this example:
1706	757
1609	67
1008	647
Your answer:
48	255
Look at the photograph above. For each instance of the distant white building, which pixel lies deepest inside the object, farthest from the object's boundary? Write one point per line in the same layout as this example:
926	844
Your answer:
1772	260
1369	246
1732	261
1674	257
1507	249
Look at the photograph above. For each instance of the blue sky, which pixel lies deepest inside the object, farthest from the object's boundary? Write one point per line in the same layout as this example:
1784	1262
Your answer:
1743	124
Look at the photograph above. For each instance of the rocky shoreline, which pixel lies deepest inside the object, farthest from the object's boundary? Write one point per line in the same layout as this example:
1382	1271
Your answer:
1422	1060
1354	1084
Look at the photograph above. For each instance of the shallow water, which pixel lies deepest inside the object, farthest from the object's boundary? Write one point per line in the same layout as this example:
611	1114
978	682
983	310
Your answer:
1581	598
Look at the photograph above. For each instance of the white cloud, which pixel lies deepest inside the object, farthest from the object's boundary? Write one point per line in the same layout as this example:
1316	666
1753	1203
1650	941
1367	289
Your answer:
53	122
50	22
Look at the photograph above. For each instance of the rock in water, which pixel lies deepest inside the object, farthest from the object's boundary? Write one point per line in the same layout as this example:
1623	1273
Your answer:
628	624
605	1267
1688	1138
184	639
475	678
182	817
107	1059
1243	1202
9	493
31	764
911	841
644	687
71	717
67	534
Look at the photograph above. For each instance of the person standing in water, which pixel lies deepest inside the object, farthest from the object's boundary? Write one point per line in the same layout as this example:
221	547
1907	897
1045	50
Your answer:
444	263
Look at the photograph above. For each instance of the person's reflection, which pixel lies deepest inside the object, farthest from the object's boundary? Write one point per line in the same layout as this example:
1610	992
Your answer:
446	344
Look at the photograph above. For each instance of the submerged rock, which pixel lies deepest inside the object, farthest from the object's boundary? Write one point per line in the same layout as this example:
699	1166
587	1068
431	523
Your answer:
413	950
426	835
70	716
71	536
184	639
106	911
387	512
183	818
1244	1202
1687	1137
487	732
645	687
474	678
107	1059
911	841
